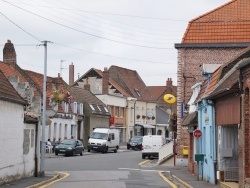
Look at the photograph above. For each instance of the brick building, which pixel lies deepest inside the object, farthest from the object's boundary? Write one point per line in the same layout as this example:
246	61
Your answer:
212	38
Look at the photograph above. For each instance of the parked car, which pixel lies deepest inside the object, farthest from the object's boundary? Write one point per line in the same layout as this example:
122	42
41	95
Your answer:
70	147
135	143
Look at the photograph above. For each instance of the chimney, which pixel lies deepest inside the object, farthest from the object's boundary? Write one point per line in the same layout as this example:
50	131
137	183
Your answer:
59	75
87	85
105	81
169	82
71	74
9	53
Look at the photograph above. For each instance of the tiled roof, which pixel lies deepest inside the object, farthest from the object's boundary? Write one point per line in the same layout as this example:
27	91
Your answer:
10	71
131	82
99	74
229	23
89	99
158	91
56	81
7	91
219	75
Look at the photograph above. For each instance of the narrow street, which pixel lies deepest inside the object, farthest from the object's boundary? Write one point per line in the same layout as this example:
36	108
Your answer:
111	170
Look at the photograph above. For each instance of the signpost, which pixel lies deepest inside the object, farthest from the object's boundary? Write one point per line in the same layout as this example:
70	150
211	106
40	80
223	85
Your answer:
197	133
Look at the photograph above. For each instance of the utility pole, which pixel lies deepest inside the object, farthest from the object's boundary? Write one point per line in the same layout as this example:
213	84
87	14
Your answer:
42	164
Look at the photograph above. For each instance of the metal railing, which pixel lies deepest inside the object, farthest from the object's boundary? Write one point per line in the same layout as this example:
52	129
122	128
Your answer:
231	174
165	151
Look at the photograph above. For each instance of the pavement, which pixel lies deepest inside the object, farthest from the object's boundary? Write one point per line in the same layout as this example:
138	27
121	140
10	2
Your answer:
176	176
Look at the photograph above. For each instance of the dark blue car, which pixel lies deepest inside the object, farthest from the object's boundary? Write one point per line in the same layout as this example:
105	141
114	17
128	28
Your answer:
70	147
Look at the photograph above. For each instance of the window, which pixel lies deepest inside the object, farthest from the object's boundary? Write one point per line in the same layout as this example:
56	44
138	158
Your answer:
92	108
75	108
80	108
111	136
54	133
111	110
137	92
99	108
106	110
65	131
60	131
117	111
65	107
121	112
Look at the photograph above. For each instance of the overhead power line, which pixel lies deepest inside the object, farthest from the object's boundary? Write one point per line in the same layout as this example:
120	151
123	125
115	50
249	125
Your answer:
110	13
93	35
20	27
131	59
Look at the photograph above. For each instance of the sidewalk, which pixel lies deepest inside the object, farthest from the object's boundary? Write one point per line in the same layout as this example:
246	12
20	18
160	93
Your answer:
180	175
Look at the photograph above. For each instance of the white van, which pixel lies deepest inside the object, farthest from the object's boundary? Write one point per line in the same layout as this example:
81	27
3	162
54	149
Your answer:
151	145
104	140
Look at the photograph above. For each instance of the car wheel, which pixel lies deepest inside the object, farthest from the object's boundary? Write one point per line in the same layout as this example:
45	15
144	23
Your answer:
117	147
56	153
81	153
106	150
115	151
88	150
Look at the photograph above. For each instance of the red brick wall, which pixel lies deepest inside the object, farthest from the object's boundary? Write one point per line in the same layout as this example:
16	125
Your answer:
190	61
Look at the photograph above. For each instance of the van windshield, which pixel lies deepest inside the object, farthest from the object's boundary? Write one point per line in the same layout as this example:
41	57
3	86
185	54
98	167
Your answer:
96	135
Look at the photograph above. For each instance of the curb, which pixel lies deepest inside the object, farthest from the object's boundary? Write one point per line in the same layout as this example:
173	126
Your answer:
182	182
57	177
167	180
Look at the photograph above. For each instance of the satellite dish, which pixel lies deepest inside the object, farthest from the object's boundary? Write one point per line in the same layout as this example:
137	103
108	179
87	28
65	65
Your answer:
169	98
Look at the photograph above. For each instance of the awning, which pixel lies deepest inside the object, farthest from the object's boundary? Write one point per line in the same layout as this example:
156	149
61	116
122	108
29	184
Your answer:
147	126
191	119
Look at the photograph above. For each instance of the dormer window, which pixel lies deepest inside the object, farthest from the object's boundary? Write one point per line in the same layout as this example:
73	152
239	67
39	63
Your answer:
92	107
99	108
106	110
137	92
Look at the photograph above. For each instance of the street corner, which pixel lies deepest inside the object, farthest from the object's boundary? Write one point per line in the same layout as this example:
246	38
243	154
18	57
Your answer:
57	177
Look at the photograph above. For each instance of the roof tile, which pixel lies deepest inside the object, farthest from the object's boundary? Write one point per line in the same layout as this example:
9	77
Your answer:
225	24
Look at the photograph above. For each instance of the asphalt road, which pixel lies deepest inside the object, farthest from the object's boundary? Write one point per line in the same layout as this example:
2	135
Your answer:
111	170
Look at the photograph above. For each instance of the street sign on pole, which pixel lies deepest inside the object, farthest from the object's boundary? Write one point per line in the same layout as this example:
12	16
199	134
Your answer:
197	133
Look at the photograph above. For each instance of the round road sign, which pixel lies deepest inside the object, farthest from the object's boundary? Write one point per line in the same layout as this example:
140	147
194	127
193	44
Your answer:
197	133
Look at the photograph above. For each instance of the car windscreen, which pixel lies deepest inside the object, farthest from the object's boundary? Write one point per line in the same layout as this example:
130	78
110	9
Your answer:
96	135
68	142
137	139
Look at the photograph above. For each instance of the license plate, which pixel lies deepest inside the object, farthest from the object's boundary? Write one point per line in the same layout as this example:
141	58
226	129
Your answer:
62	150
95	147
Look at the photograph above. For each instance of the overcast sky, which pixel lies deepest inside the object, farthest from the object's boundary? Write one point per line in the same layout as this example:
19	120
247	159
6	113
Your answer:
133	34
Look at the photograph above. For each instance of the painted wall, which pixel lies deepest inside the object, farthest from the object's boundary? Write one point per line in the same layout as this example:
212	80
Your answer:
17	142
207	141
60	129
